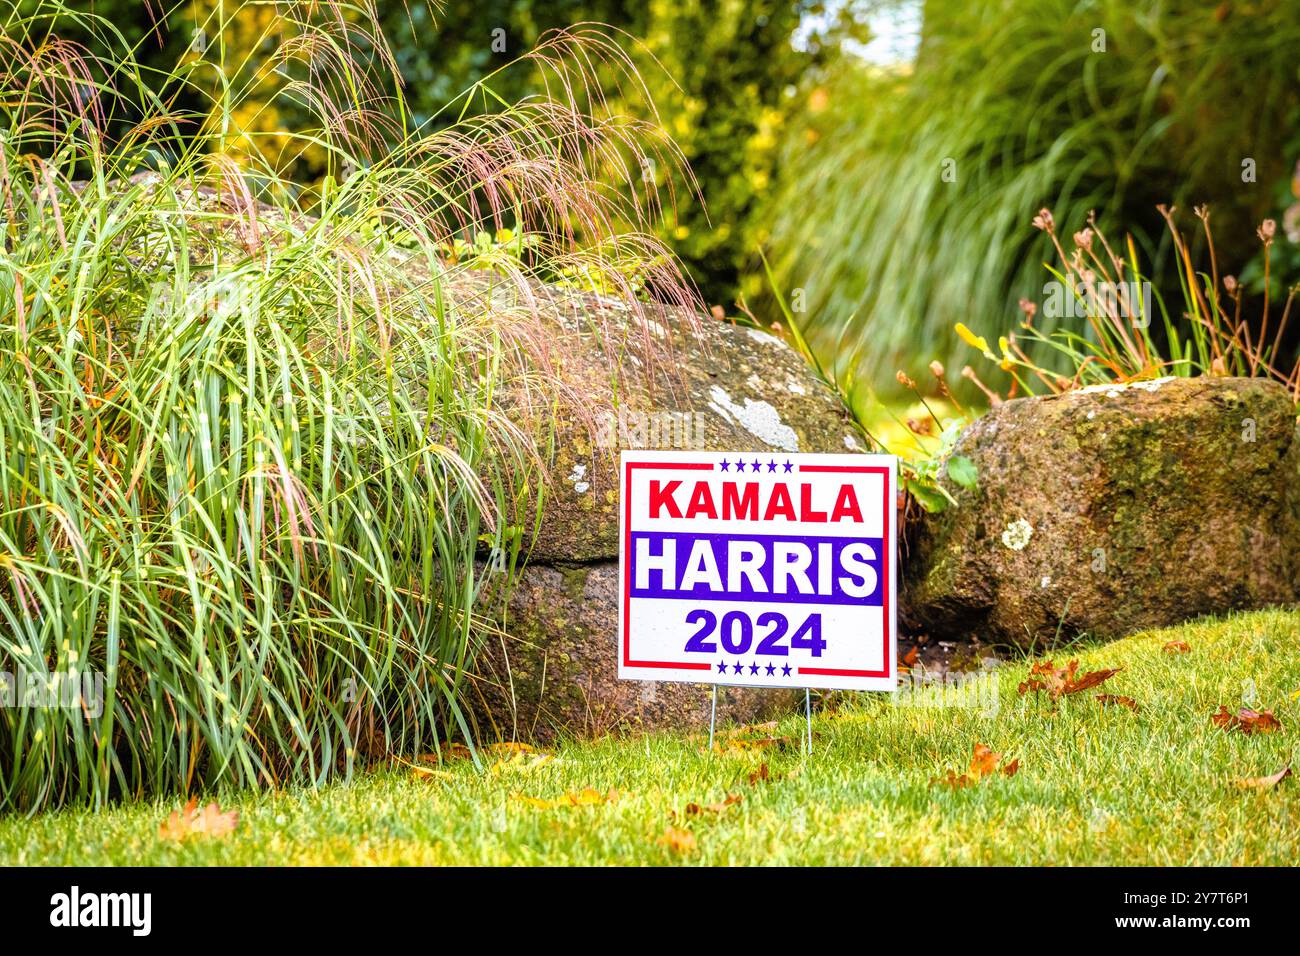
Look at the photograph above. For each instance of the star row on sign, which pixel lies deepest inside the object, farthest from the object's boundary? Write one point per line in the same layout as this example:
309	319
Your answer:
756	465
754	668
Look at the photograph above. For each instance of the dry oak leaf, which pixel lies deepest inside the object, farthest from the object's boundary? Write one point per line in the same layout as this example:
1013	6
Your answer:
1060	681
761	775
189	821
449	752
953	779
677	840
1264	783
1117	700
983	762
1177	647
537	803
1246	720
591	797
730	800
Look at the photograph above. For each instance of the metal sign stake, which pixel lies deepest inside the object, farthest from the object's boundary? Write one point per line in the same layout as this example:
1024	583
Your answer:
713	716
807	710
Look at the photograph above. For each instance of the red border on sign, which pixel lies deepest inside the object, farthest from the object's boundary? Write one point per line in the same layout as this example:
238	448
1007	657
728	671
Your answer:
627	566
886	560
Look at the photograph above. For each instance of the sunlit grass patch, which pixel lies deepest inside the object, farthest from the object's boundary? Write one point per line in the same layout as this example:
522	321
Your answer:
1095	785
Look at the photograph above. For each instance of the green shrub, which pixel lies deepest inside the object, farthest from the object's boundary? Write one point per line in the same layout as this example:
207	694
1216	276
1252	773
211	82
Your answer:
250	448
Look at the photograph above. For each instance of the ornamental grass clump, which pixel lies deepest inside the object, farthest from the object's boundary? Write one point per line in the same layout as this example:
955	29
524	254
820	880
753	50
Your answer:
252	443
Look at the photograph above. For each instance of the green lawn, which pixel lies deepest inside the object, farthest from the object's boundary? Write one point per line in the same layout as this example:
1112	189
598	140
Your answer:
1096	785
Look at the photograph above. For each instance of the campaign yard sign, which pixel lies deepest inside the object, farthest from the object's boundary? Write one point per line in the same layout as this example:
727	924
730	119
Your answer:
758	570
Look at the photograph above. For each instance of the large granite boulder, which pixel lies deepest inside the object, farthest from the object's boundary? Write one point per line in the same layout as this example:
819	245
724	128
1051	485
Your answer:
1112	509
674	381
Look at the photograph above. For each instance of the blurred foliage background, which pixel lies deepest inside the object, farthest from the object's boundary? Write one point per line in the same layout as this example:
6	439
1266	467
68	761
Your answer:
925	177
893	193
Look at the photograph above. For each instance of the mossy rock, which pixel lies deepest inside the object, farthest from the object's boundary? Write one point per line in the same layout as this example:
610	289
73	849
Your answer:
1113	509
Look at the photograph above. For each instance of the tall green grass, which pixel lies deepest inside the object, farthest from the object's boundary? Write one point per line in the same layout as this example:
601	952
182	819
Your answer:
1018	103
252	443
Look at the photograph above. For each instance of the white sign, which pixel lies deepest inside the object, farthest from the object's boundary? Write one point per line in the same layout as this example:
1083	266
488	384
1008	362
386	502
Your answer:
761	570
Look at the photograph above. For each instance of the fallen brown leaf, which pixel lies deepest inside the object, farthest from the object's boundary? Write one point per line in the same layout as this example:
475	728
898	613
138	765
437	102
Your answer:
679	841
1262	722
537	803
952	779
1177	647
591	797
695	810
1090	680
190	821
449	752
1061	681
730	800
761	775
510	747
1246	720
1117	700
983	762
1264	783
